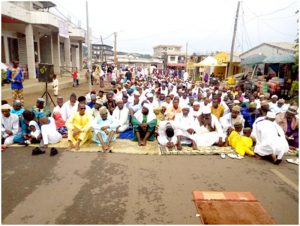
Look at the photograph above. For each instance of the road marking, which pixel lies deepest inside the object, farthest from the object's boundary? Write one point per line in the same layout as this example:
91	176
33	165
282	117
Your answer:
285	179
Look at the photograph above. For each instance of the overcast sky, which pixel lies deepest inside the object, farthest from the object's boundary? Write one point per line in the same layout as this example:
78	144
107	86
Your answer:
206	25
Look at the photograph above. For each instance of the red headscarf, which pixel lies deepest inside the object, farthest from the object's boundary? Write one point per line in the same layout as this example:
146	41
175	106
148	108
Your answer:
59	122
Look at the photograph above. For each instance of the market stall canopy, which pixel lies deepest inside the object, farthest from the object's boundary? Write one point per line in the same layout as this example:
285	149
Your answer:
280	59
254	59
207	62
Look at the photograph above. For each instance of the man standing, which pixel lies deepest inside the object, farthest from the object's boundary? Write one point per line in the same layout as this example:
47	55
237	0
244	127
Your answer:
16	78
121	116
104	130
144	122
9	126
270	139
79	128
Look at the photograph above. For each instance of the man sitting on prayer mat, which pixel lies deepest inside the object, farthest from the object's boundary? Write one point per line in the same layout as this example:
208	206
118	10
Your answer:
144	122
79	127
167	134
104	129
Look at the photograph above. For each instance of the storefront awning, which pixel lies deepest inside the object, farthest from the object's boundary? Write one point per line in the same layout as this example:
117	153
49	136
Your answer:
254	59
280	59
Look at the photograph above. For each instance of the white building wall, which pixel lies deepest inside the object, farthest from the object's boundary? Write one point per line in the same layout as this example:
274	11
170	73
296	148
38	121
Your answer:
266	50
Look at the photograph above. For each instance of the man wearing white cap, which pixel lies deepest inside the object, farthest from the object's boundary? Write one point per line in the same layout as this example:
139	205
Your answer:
121	116
144	122
135	105
280	107
185	122
270	139
209	130
273	103
95	110
196	112
9	126
229	119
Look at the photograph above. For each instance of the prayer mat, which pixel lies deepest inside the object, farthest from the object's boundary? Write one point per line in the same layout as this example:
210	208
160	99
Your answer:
230	208
128	134
213	150
119	146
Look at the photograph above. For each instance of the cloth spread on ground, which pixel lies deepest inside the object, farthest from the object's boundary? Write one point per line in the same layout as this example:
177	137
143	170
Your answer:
230	208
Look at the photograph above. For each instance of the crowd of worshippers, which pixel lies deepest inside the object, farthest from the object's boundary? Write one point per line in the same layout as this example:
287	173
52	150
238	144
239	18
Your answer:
173	111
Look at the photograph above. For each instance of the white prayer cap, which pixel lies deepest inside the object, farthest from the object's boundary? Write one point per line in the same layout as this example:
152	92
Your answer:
262	96
101	102
136	93
32	123
146	105
103	110
5	107
119	100
196	103
123	90
274	96
206	110
149	95
185	106
164	104
236	102
271	115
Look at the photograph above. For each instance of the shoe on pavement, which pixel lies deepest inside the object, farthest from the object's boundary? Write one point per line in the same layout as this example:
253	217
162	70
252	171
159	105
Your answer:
37	151
53	151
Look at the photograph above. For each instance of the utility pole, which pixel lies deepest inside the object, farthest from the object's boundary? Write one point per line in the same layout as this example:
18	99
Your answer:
101	49
186	53
233	39
88	45
115	50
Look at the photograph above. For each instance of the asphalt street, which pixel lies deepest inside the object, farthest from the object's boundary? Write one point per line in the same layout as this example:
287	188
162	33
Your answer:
97	188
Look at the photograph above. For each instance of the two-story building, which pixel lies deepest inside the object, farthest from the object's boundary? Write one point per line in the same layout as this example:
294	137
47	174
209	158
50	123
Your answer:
171	55
32	34
100	52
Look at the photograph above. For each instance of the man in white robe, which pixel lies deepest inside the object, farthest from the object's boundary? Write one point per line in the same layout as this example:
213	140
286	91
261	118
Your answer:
70	107
208	129
9	126
196	112
167	134
58	107
229	119
49	133
185	122
270	139
121	116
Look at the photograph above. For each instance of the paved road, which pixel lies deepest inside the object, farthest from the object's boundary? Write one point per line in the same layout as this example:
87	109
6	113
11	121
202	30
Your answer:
97	188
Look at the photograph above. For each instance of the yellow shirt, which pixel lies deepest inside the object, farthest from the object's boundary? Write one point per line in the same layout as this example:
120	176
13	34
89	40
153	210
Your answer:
80	122
218	112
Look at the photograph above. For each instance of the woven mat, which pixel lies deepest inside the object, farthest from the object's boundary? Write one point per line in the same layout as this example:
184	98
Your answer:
230	208
119	146
213	150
